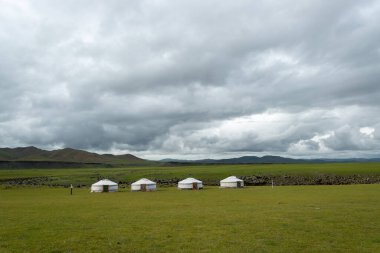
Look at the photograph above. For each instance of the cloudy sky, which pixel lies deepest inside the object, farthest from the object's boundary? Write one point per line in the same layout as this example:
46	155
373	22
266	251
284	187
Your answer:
192	79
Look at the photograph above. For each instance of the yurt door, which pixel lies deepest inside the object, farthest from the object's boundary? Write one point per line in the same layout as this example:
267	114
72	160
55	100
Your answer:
195	186
105	188
238	184
143	187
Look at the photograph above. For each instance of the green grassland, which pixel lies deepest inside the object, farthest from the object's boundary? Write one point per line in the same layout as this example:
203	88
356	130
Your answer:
253	219
86	176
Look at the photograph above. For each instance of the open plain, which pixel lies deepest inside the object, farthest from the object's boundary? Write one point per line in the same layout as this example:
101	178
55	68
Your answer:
254	219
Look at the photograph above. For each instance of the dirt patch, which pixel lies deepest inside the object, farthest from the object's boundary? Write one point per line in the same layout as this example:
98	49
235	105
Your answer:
248	180
26	181
290	180
311	180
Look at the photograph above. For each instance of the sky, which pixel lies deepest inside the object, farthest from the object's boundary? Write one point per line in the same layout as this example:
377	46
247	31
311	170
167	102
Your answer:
192	79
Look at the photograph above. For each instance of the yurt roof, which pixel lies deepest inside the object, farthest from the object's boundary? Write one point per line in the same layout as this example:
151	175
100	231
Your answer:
143	181
231	179
189	180
105	182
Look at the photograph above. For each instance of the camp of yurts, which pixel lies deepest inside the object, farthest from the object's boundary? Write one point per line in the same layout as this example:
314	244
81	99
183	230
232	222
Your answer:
231	182
190	184
104	185
143	185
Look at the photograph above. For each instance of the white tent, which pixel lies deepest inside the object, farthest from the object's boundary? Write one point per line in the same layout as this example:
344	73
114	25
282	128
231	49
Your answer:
232	182
190	184
143	185
104	185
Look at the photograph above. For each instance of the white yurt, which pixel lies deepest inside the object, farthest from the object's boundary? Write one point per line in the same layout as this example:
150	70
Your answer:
143	185
231	182
190	184
104	185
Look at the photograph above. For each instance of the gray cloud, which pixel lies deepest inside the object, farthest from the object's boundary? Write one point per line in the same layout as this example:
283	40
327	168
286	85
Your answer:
200	78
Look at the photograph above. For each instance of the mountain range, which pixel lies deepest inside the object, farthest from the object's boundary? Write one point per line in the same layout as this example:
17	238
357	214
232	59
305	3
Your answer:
66	155
32	157
269	160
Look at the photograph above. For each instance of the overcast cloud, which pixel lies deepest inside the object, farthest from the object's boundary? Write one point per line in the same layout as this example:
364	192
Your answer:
192	78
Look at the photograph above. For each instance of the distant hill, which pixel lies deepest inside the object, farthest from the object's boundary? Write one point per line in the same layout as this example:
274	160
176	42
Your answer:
32	157
268	160
66	156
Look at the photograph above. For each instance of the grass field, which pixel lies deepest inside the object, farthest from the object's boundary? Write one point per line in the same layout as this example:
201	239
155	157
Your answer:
87	176
253	219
